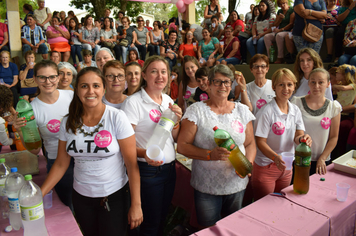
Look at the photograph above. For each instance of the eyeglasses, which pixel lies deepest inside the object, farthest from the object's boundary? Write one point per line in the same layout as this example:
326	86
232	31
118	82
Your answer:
259	66
140	20
111	78
227	83
51	78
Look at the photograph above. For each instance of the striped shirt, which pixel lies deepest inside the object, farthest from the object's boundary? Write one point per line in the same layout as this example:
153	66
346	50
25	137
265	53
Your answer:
33	36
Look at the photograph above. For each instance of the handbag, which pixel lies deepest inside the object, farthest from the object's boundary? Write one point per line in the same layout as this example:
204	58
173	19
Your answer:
110	45
124	42
28	83
311	33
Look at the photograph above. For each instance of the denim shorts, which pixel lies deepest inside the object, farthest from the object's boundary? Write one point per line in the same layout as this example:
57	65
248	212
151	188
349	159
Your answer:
211	208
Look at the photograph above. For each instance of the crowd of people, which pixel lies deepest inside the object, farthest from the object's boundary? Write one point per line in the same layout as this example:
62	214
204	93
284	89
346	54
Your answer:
97	114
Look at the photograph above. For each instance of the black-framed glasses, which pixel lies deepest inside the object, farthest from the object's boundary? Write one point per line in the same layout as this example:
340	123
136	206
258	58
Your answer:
51	78
120	77
227	83
259	66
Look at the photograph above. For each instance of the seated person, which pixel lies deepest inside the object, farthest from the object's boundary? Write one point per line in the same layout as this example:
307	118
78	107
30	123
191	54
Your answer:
55	57
34	41
4	37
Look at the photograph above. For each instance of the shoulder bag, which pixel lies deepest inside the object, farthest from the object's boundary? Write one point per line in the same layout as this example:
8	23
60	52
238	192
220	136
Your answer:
311	33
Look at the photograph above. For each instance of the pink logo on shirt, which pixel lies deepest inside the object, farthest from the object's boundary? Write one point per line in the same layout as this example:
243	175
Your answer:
203	97
187	94
103	139
53	126
325	122
237	126
155	115
278	128
260	103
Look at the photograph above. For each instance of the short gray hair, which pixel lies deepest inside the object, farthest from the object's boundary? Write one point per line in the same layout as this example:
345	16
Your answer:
104	49
321	70
221	69
67	65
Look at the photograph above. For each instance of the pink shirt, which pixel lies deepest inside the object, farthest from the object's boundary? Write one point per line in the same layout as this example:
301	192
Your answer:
57	39
3	28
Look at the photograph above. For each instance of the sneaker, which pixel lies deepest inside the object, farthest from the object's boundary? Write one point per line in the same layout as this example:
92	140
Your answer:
243	62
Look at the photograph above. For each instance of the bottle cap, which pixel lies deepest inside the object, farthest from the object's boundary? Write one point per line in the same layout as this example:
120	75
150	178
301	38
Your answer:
303	141
28	177
2	160
215	128
20	97
13	169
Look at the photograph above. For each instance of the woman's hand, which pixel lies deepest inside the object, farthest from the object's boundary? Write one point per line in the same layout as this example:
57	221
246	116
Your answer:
19	122
76	33
152	162
281	165
177	110
320	166
135	216
132	45
307	138
219	153
241	81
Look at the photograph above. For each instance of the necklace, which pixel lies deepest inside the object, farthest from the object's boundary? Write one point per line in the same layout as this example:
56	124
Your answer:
81	130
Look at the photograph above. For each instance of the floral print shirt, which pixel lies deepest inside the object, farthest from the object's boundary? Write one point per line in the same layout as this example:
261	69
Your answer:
263	26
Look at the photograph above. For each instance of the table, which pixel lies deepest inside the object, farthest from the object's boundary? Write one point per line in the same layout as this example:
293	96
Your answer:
59	219
315	213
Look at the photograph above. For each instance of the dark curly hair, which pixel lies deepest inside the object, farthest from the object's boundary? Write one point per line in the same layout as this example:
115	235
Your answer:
6	99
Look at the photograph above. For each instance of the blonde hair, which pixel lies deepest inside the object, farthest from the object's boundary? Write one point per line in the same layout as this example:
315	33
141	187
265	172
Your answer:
280	73
318	63
345	70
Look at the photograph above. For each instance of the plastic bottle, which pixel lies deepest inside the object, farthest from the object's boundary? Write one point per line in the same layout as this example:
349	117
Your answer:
7	131
13	184
238	160
161	133
301	168
272	53
30	132
4	205
32	213
17	140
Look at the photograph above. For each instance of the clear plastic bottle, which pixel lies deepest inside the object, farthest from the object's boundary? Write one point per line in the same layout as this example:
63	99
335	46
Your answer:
4	172
32	213
13	184
161	133
30	132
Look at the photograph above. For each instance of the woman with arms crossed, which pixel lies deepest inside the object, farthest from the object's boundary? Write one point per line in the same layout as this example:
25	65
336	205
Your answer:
100	139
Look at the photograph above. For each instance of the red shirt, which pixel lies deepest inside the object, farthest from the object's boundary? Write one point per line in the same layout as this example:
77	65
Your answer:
236	23
149	28
3	28
229	48
174	90
188	49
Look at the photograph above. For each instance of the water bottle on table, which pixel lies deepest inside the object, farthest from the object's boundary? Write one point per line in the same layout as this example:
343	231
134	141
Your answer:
13	184
4	172
30	132
32	213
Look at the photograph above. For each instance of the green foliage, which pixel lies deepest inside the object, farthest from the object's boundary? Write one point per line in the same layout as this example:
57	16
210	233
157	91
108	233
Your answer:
21	3
159	10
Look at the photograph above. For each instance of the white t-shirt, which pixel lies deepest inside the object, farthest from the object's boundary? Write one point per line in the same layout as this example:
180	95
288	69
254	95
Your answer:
4	139
49	117
278	128
145	113
188	97
117	106
259	96
305	90
41	16
217	177
99	168
317	123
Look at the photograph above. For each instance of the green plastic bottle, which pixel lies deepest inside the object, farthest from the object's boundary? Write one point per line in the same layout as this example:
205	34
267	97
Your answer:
238	160
301	168
272	54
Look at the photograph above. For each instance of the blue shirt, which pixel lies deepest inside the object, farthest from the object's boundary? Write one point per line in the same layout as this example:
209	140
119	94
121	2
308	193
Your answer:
7	74
33	36
299	24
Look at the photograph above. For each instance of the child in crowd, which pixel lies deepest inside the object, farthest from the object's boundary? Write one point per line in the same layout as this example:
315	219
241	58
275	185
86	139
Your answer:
345	87
75	41
5	108
174	83
87	54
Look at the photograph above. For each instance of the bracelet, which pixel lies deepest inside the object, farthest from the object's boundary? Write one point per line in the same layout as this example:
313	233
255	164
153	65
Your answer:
243	90
310	12
208	156
273	157
176	126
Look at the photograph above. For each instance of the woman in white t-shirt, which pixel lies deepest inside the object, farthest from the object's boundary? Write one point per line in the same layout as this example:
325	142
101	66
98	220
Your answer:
278	127
188	85
144	109
114	73
260	90
49	108
306	61
101	141
218	190
321	119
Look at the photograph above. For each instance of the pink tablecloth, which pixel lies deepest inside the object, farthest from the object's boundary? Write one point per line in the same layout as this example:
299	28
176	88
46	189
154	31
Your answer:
271	216
321	198
59	219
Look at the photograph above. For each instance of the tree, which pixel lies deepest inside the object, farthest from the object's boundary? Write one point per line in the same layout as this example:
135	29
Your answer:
159	10
97	7
3	11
